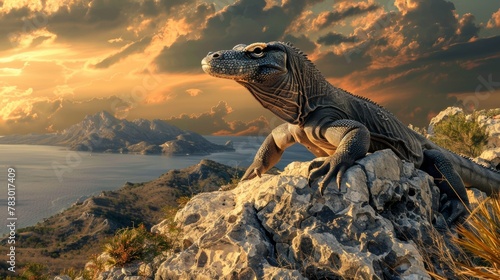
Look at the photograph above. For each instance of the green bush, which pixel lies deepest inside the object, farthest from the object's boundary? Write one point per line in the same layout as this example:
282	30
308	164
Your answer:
461	135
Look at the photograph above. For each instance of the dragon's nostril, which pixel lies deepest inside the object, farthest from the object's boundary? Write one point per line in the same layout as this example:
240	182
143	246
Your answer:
215	55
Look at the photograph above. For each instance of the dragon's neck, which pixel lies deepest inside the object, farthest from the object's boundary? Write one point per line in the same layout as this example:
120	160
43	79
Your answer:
296	94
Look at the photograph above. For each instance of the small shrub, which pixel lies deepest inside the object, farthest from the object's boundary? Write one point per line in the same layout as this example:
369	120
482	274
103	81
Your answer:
461	135
94	267
73	273
182	201
35	271
492	113
134	244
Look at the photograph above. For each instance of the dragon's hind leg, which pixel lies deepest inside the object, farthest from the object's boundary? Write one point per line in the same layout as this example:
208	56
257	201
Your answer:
454	196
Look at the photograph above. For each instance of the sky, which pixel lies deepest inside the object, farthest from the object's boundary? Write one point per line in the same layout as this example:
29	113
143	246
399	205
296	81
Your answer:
61	60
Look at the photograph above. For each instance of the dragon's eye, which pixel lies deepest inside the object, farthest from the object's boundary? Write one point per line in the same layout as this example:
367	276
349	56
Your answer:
256	50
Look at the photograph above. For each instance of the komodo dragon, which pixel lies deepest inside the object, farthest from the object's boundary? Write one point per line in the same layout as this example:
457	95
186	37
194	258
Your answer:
337	125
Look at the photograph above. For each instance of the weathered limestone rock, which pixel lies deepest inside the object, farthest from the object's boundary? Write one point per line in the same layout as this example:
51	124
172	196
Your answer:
450	111
136	270
276	227
490	158
493	127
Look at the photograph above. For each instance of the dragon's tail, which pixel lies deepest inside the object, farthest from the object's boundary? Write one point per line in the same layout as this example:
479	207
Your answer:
475	175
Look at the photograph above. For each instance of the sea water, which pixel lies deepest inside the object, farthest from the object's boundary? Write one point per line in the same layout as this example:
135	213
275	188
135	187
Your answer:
50	179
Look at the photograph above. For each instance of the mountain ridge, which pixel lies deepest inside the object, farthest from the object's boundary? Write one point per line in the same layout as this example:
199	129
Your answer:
102	132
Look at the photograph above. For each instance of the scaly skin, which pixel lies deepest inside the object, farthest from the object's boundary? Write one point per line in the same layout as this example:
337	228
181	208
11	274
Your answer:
335	124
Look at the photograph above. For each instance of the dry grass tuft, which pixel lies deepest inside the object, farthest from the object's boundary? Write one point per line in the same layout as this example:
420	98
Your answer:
480	236
473	252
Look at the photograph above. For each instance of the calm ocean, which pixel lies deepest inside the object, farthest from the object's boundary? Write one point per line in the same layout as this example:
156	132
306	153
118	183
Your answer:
49	179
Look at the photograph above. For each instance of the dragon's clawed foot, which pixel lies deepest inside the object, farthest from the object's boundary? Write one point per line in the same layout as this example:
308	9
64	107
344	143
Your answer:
452	209
255	170
331	167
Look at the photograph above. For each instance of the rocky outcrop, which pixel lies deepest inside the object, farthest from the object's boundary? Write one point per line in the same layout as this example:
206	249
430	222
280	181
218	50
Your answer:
103	132
379	226
492	123
443	115
490	119
276	227
491	156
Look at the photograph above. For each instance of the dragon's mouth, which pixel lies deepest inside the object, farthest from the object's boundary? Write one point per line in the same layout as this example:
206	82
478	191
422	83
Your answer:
205	66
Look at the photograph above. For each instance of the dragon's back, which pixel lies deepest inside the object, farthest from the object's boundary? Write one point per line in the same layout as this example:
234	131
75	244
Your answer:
386	130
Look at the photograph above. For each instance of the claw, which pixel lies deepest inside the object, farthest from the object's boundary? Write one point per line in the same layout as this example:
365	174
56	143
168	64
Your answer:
445	206
339	170
257	172
330	168
453	210
251	173
339	176
327	179
316	169
314	165
443	199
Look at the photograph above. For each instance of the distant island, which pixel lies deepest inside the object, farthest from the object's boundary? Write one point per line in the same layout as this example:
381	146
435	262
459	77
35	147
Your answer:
104	133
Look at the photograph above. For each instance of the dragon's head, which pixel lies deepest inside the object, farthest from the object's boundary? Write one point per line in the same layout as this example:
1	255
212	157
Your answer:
258	63
277	74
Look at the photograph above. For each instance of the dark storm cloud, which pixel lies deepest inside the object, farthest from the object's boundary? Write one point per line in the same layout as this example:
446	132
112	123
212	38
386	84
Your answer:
467	29
245	21
135	47
434	25
431	29
325	20
479	48
13	23
430	54
339	65
333	38
197	16
301	42
214	122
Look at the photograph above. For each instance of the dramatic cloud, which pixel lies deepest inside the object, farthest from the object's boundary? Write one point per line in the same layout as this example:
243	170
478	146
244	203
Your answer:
423	52
214	122
335	39
60	60
135	47
326	19
301	42
245	21
495	20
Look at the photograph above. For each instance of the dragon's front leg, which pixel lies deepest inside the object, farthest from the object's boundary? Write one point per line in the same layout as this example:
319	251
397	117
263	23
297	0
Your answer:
352	140
270	151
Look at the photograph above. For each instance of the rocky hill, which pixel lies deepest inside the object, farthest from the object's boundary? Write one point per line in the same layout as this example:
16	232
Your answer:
103	132
69	238
379	226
